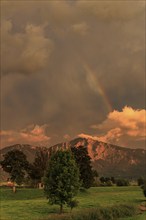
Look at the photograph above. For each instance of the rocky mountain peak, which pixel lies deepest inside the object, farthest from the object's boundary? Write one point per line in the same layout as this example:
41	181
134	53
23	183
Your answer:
107	159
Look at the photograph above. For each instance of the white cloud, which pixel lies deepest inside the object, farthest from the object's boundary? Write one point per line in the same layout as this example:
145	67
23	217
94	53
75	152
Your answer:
122	127
107	35
66	136
33	134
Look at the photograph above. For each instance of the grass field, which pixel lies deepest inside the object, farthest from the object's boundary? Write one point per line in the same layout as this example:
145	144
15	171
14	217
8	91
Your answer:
31	204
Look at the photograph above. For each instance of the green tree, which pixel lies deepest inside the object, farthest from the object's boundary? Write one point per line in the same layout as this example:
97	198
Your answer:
61	183
95	174
16	164
39	166
144	187
83	161
102	179
122	182
140	181
113	180
33	175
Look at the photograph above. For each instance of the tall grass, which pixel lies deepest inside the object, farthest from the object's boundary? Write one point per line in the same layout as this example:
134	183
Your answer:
32	204
101	213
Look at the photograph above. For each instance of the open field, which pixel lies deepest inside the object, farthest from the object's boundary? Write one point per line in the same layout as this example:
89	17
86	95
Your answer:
31	203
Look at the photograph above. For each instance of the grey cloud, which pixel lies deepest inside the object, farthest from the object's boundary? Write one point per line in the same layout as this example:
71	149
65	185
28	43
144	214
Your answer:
26	52
81	28
109	41
110	10
65	12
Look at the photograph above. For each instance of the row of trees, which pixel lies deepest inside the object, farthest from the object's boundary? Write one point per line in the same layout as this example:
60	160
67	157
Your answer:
63	172
20	170
110	181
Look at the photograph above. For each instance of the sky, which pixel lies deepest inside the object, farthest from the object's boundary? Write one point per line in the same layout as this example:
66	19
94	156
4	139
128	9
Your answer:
73	68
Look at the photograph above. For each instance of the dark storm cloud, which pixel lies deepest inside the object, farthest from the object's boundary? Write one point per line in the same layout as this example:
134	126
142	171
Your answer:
67	65
26	52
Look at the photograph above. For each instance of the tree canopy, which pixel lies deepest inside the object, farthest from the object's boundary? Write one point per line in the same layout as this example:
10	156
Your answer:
62	178
16	164
83	161
39	166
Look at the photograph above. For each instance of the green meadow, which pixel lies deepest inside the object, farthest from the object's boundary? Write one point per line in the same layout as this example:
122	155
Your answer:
31	204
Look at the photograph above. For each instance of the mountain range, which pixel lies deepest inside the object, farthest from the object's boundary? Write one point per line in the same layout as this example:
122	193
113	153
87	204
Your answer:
109	160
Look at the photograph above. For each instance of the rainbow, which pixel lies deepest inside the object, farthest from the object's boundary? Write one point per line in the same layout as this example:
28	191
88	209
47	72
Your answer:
96	86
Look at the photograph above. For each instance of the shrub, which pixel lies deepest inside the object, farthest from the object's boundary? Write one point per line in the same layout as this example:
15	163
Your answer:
97	183
144	188
73	203
122	182
109	183
140	181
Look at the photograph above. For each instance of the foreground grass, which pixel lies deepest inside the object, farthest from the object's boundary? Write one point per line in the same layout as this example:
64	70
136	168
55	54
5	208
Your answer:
31	203
137	217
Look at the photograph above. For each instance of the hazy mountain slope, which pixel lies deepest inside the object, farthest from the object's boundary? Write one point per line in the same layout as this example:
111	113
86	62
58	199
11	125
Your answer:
28	150
107	159
112	160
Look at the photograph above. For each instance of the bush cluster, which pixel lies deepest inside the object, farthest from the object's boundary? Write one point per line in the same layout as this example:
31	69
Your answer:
104	181
140	181
144	188
111	181
122	182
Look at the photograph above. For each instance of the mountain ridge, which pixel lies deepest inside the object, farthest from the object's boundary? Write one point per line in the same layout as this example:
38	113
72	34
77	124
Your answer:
107	159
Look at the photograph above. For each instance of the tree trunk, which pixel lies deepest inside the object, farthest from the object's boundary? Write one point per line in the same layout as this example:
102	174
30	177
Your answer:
40	185
61	209
14	189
